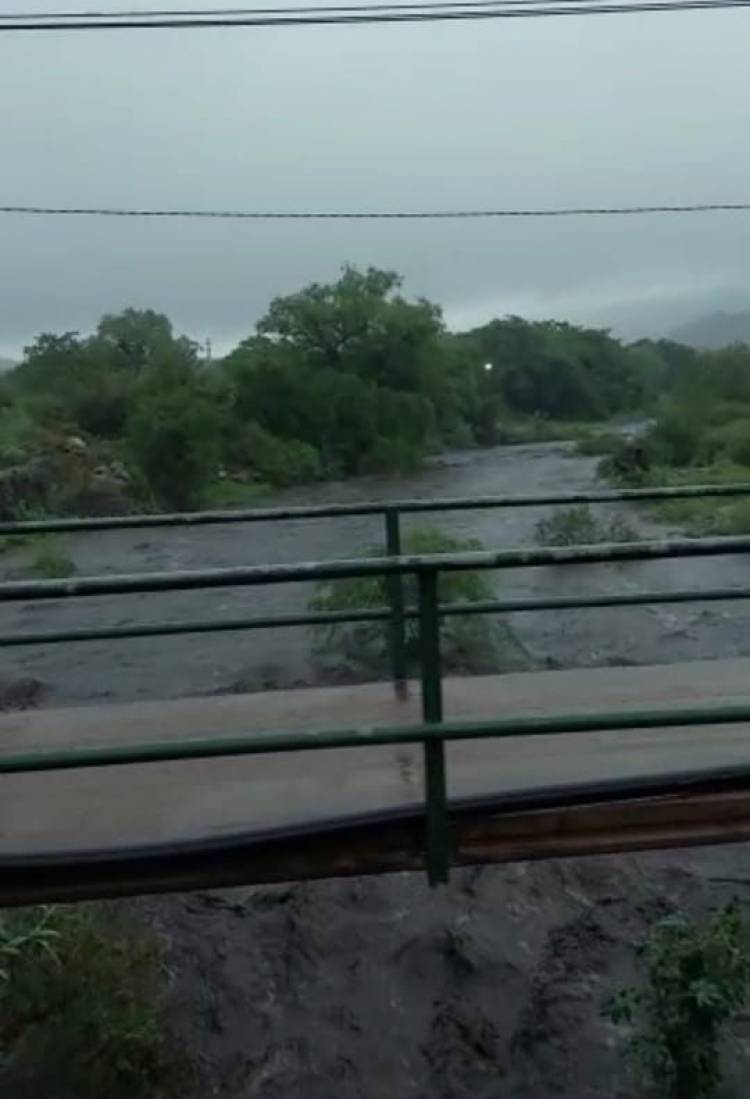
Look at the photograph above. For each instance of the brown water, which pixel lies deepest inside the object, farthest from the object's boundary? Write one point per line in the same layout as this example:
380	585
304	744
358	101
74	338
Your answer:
180	665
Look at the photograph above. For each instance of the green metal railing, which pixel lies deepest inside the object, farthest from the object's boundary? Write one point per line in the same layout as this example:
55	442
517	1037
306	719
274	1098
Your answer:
391	512
433	732
376	507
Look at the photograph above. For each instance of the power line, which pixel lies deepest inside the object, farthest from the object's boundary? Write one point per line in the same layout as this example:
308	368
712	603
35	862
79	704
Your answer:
377	215
426	14
198	13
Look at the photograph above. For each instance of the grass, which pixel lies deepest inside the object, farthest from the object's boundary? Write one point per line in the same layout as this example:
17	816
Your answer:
83	1007
11	542
537	429
578	526
50	559
227	493
708	516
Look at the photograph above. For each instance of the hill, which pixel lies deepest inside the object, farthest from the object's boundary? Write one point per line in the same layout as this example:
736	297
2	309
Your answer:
715	330
6	364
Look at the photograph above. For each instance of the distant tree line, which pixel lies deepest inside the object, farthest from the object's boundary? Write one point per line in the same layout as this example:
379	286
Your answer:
338	379
702	418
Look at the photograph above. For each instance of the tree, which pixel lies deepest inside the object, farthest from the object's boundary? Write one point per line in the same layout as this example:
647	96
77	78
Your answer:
350	368
53	365
134	339
359	324
559	370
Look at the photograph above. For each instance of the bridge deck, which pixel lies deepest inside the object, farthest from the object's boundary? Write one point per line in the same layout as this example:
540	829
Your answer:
156	803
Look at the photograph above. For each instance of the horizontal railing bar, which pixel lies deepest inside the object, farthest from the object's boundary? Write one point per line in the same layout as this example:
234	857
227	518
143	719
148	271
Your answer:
168	629
214	747
584	602
256	575
372	507
330	618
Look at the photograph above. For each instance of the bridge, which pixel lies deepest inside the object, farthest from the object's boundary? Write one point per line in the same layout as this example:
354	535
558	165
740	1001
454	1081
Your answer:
111	800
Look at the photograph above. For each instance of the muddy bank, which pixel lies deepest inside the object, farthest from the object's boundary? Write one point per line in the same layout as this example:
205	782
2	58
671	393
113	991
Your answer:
489	988
173	666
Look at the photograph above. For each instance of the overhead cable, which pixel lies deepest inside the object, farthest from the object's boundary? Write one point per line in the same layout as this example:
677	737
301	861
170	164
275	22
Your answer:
312	9
376	215
426	13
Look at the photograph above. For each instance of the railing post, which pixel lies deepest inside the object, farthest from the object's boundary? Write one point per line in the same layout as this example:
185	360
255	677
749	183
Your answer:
397	636
437	824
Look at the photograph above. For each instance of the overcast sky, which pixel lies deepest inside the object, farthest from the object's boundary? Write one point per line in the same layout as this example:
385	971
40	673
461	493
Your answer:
601	110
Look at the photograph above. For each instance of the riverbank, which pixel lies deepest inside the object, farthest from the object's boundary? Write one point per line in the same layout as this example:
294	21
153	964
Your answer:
490	988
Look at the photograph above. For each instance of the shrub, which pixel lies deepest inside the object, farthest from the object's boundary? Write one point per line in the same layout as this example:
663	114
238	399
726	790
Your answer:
82	1012
730	442
718	413
468	642
696	982
279	462
628	463
391	455
102	409
577	525
173	439
674	439
20	436
459	436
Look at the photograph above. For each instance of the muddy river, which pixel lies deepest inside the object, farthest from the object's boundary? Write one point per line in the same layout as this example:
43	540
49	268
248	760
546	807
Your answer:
180	665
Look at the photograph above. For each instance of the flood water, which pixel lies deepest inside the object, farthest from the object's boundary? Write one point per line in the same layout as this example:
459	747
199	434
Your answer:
183	665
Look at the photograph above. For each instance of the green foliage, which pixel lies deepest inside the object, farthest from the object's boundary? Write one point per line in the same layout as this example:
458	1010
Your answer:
391	455
696	983
703	516
101	408
359	325
706	416
577	525
50	559
340	378
225	492
728	443
629	463
468	642
559	370
136	339
21	435
173	436
348	369
675	438
82	1012
521	430
701	435
276	461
